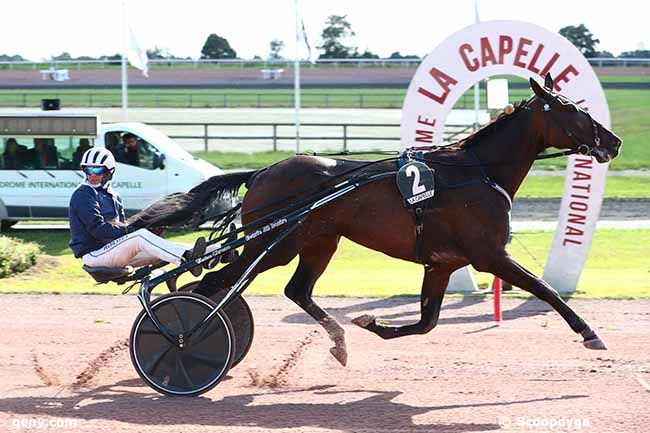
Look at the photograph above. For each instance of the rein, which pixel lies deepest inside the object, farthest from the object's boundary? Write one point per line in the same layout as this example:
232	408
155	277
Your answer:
223	221
581	148
348	153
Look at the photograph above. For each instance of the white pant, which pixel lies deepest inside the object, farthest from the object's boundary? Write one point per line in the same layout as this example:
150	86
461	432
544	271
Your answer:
139	248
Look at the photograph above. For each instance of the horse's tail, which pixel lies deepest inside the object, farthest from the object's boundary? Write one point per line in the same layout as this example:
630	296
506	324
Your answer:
198	205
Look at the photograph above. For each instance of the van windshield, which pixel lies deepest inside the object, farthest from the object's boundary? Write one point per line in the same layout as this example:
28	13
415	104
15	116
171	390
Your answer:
166	144
38	153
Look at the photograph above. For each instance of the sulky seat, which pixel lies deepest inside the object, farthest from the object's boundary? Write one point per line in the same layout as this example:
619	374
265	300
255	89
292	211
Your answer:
103	274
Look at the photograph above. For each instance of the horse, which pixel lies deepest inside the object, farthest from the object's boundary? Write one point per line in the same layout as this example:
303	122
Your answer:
468	223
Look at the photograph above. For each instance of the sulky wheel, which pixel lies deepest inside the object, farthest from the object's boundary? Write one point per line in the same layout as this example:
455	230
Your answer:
241	318
205	356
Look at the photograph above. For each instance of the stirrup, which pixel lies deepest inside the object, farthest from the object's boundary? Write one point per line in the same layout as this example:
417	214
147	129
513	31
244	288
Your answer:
198	251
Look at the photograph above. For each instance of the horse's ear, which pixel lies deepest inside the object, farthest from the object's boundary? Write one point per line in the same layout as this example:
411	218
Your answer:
548	81
539	90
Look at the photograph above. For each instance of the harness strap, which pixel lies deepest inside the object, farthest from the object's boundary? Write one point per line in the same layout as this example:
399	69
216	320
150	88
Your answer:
418	208
419	229
500	190
487	179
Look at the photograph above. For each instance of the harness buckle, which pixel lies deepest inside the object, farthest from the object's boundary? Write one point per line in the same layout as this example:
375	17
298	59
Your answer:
583	149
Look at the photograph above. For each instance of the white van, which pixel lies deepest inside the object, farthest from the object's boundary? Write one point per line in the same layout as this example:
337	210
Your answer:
40	154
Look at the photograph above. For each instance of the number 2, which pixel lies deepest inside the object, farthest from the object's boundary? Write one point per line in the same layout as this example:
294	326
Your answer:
411	170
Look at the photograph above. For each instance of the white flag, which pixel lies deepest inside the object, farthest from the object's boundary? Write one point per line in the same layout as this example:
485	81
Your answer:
136	55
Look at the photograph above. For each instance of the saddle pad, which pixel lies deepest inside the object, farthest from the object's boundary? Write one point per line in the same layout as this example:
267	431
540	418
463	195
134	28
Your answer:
415	182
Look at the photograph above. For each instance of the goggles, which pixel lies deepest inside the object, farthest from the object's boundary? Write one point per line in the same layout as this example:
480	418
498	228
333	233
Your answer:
95	171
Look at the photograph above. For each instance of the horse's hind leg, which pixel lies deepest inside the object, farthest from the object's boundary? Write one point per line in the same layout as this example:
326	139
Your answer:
314	258
434	286
506	268
227	276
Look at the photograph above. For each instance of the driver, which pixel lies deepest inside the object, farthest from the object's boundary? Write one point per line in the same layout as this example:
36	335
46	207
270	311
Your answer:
98	229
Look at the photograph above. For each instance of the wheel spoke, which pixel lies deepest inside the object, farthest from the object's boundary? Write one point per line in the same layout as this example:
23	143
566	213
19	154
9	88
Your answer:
213	329
180	315
155	359
180	367
211	360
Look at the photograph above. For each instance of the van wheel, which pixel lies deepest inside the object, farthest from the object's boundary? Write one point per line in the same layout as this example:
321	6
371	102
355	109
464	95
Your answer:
6	225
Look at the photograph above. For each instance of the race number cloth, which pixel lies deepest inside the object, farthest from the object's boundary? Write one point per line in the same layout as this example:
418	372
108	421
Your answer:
415	182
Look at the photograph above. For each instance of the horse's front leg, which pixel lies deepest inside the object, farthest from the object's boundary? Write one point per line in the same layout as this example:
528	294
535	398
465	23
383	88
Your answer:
506	268
434	286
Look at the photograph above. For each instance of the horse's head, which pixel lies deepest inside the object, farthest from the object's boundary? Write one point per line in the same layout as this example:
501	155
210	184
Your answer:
565	125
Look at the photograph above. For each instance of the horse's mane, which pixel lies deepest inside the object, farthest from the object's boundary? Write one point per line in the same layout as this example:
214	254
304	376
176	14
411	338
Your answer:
476	137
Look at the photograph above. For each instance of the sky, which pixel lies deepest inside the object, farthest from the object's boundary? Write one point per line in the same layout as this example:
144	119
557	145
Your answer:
40	29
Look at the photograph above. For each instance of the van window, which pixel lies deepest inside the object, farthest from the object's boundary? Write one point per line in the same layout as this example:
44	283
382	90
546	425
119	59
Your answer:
36	153
132	150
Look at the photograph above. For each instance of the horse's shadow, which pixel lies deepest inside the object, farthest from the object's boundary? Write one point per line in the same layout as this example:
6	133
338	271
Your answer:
529	308
377	412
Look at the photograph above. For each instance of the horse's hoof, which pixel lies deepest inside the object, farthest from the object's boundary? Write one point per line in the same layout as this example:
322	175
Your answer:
595	344
364	321
340	354
592	340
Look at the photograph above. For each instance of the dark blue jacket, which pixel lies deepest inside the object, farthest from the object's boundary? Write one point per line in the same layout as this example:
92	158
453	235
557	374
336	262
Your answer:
95	215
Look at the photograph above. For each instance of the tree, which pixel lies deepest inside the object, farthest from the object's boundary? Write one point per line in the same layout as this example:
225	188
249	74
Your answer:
276	48
367	54
638	54
216	47
63	56
397	55
603	54
337	28
159	53
115	59
582	38
11	58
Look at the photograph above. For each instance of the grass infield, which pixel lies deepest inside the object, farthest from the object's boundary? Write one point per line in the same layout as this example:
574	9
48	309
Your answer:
617	268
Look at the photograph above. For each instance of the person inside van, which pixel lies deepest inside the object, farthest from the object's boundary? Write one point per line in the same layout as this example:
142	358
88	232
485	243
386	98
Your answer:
129	152
15	155
84	145
99	234
44	153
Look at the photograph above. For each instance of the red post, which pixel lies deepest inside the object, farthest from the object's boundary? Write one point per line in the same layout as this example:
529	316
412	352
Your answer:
496	288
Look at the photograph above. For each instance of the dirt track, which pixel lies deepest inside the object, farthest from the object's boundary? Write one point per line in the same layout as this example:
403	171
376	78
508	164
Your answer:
64	357
612	209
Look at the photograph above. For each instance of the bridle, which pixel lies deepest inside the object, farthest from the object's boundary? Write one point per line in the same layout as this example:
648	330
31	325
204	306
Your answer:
581	147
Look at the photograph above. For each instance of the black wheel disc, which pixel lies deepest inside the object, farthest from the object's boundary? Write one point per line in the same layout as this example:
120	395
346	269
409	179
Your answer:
241	319
205	356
